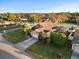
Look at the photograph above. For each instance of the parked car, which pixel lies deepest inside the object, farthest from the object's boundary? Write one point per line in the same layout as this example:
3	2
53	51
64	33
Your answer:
71	36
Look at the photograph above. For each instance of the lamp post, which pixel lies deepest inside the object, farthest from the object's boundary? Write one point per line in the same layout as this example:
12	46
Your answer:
4	31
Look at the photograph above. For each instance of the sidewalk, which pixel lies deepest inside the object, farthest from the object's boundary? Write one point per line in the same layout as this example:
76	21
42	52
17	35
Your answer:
75	54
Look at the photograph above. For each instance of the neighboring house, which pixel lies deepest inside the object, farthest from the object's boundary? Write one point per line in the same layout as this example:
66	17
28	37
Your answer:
74	37
44	18
24	19
77	22
75	42
61	29
70	31
7	22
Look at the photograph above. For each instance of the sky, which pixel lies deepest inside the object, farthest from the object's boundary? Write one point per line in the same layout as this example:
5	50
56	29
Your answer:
40	6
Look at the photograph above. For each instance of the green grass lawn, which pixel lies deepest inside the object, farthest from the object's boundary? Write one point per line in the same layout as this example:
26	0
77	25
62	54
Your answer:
9	27
15	36
63	24
41	51
66	24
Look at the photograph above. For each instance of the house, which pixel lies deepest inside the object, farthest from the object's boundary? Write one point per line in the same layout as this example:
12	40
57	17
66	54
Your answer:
77	22
75	45
45	26
44	18
62	29
7	22
75	41
24	19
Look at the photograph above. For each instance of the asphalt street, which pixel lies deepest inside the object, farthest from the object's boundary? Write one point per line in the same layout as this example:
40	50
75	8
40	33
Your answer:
6	55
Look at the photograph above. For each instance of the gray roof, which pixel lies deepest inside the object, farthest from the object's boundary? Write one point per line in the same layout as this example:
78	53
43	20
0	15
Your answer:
62	29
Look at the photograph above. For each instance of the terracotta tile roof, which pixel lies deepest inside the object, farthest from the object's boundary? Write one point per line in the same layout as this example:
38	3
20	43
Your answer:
46	25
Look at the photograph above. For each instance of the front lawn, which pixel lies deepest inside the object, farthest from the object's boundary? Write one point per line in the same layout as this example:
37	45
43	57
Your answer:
43	51
15	36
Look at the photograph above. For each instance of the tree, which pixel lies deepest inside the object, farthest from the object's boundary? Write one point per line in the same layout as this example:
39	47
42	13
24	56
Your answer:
67	34
10	17
58	39
26	28
34	18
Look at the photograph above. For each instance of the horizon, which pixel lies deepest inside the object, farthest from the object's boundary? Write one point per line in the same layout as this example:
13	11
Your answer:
37	12
40	6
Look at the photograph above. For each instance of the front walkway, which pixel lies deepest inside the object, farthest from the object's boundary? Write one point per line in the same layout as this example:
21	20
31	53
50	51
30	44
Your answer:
28	42
75	55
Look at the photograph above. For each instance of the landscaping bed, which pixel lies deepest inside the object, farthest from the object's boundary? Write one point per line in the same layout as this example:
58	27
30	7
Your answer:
15	36
43	51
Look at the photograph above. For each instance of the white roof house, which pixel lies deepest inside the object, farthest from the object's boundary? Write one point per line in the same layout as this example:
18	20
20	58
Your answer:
24	19
8	22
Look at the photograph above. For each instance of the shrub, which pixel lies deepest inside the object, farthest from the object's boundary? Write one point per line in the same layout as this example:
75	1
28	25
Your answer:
67	34
58	39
